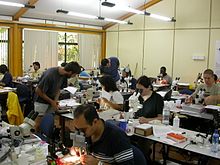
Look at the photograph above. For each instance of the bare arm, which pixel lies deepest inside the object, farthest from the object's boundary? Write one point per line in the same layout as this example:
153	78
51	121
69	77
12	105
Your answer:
40	93
146	120
103	101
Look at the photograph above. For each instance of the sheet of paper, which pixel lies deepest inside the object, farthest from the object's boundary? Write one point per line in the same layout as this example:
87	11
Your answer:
68	103
72	90
143	126
214	107
161	130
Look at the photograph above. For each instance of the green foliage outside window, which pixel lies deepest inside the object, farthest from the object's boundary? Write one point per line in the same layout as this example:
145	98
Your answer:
68	49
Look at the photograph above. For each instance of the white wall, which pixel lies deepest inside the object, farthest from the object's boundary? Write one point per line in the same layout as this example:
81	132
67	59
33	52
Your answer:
149	43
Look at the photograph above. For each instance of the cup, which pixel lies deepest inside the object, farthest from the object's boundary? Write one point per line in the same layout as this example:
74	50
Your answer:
178	103
123	124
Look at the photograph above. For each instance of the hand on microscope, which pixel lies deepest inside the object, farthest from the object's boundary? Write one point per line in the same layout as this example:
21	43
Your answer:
102	101
88	160
55	104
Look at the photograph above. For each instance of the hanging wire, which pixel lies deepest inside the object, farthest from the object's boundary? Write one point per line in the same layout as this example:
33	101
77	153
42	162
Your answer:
100	4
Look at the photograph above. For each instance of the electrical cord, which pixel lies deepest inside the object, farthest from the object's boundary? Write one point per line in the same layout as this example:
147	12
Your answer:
3	157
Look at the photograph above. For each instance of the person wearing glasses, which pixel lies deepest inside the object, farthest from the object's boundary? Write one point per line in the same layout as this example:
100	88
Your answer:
107	143
208	92
152	102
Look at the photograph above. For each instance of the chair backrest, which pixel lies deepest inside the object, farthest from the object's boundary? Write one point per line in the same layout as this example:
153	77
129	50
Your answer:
23	92
168	95
47	125
139	158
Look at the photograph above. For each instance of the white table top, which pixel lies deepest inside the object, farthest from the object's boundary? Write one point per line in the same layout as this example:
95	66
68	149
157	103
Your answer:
204	149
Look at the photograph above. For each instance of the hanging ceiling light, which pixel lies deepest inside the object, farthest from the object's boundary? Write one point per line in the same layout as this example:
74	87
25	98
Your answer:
131	10
16	4
76	14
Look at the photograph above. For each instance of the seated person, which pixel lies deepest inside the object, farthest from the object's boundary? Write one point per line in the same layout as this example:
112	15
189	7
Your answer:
36	73
126	75
166	79
152	101
210	88
111	97
107	143
7	77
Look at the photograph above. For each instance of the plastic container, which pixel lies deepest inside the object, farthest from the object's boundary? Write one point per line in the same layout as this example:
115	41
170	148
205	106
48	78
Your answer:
215	141
166	115
176	122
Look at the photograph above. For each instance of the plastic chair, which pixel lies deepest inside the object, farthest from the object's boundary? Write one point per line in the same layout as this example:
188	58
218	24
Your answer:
24	96
47	127
139	158
168	95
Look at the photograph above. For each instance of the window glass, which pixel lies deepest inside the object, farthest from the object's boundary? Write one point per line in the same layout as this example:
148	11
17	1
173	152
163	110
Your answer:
4	46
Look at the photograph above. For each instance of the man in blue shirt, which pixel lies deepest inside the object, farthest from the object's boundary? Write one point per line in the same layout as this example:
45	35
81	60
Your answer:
107	143
110	67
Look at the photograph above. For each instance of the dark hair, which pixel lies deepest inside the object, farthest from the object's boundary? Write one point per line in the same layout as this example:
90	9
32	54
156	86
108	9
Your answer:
88	111
109	83
63	64
164	68
36	63
215	77
127	71
73	66
104	62
3	68
145	81
209	71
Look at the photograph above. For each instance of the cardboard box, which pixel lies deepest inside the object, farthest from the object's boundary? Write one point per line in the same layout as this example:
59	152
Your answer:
143	129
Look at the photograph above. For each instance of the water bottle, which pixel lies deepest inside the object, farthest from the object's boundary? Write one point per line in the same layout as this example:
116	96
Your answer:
215	139
166	115
176	122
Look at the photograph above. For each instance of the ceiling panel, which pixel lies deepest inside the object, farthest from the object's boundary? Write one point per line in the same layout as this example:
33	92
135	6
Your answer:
46	9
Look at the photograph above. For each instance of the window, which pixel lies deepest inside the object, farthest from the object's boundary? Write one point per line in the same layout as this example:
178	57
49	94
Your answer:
68	49
4	44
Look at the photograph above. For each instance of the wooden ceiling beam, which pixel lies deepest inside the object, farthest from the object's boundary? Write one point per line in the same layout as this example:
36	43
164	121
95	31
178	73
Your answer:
23	10
123	17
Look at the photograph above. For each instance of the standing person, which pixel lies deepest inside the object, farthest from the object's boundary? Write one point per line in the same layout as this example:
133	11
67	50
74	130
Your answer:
36	73
7	77
109	66
107	143
48	89
163	74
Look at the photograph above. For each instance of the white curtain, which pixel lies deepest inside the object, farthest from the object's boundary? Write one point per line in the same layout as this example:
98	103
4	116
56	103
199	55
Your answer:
41	46
89	50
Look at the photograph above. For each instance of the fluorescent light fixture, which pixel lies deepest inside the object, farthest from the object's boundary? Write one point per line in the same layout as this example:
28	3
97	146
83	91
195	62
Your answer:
11	4
115	20
16	4
160	17
81	15
91	16
131	10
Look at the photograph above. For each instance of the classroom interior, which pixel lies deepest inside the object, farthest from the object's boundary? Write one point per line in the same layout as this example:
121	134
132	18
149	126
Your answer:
44	31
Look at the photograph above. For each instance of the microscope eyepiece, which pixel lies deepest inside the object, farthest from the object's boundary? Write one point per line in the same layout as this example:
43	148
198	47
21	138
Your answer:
30	114
34	116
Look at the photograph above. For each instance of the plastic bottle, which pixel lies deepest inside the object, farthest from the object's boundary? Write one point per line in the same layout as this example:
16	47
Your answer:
176	122
166	115
215	140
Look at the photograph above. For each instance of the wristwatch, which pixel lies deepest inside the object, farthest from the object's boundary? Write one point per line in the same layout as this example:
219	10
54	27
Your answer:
100	163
